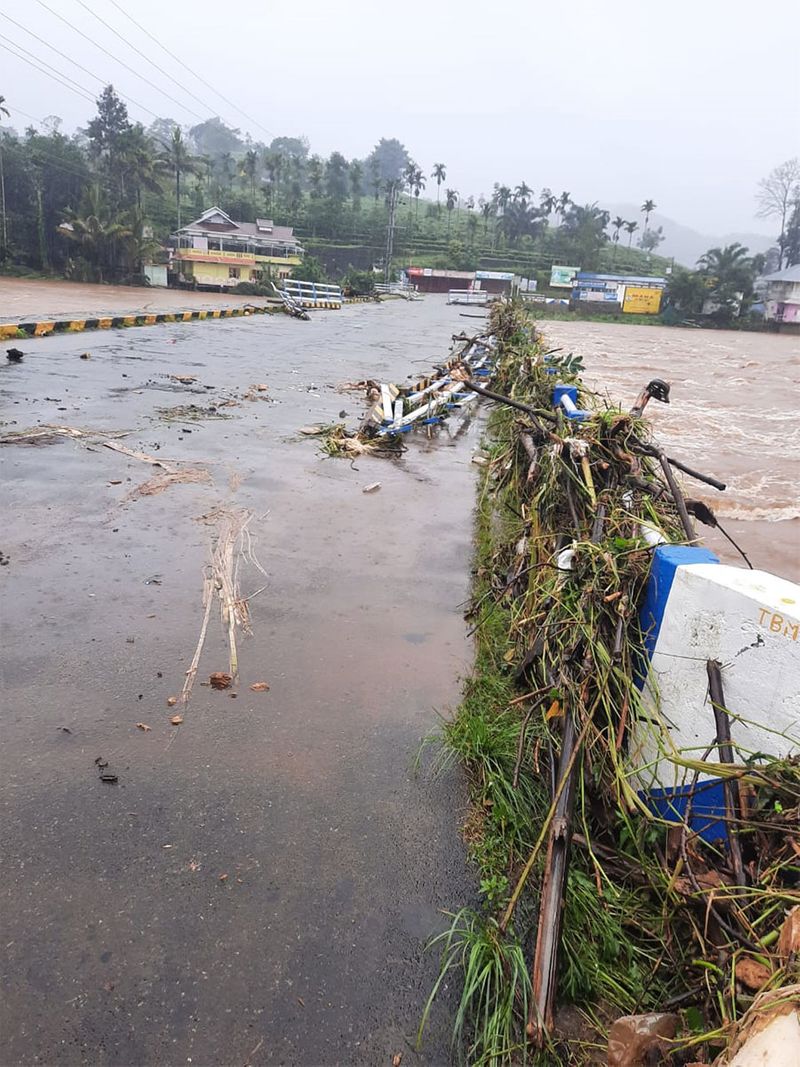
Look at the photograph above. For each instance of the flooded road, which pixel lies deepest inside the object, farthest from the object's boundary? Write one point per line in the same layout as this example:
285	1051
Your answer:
259	884
734	413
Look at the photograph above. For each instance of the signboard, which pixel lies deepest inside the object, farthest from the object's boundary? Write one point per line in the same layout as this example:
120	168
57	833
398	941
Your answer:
494	276
562	277
640	301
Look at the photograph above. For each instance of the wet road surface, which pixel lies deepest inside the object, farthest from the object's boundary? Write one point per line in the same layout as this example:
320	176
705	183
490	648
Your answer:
124	942
30	299
259	884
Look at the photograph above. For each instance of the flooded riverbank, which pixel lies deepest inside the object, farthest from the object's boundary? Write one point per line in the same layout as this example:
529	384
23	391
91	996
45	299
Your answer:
735	398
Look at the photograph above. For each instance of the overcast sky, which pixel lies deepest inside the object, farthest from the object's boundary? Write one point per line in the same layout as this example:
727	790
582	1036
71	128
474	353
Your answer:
687	102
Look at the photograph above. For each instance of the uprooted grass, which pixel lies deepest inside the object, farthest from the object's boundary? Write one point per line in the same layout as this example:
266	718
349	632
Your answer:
550	643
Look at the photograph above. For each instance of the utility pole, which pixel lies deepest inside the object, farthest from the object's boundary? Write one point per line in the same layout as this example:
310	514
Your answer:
387	256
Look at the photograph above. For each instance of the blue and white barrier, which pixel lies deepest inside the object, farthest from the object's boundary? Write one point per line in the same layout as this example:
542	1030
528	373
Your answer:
697	609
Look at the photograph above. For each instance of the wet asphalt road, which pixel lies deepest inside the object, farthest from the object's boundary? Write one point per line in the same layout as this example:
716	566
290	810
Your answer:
259	885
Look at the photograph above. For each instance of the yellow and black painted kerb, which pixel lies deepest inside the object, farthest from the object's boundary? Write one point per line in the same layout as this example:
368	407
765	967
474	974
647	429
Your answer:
44	328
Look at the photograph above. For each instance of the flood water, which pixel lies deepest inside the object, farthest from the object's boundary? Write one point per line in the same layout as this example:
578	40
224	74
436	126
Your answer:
259	884
734	412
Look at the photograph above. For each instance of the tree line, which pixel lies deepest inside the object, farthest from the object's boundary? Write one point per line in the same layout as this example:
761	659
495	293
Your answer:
100	203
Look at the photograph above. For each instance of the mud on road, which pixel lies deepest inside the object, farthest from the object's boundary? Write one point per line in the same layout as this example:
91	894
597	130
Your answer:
265	876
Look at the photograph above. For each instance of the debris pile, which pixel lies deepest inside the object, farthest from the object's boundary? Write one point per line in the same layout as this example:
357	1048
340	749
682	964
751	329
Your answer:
589	898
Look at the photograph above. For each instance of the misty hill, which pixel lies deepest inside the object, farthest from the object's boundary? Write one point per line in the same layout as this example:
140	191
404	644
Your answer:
682	242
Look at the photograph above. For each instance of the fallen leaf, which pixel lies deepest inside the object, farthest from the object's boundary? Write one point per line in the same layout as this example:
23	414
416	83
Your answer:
260	687
171	702
223	878
194	865
115	481
142	726
176	720
220	680
397	1059
752	974
554	711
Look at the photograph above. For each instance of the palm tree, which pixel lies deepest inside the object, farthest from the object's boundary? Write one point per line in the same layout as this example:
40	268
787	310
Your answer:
439	172
727	266
487	209
548	202
630	229
95	233
647	208
618	223
563	204
419	185
522	192
178	159
502	196
409	174
249	169
451	199
3	109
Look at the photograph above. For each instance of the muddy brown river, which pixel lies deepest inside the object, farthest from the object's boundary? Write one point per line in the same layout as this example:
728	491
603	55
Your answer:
258	884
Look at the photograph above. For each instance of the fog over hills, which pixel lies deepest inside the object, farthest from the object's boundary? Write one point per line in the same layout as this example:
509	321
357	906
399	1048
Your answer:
682	242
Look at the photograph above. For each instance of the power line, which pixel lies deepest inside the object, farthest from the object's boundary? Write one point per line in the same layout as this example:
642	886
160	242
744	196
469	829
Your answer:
152	62
177	59
74	62
116	59
33	62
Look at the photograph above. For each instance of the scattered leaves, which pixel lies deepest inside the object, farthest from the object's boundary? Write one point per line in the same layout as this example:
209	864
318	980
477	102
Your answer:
220	680
260	687
143	727
171	702
554	711
751	973
176	720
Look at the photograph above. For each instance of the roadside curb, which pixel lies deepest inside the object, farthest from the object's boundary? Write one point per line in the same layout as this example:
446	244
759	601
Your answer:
43	328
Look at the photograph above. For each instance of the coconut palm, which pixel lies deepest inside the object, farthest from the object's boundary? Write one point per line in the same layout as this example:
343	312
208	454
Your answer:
630	229
487	210
547	201
248	170
523	192
647	209
439	172
419	185
502	197
564	202
95	233
179	160
451	199
617	223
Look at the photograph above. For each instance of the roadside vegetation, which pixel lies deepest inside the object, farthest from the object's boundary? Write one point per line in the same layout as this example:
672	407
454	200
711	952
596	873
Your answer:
652	918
